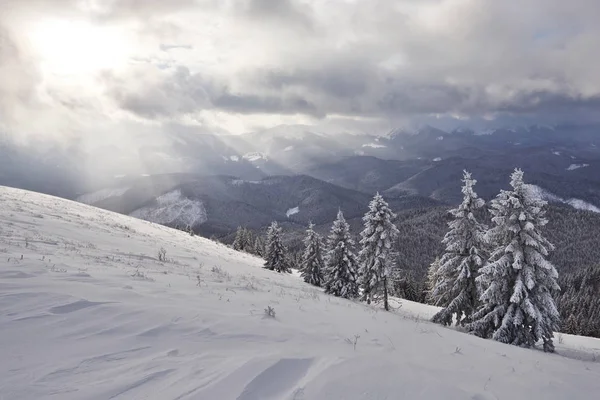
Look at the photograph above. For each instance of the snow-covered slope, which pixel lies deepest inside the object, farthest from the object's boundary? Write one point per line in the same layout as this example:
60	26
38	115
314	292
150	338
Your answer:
577	204
87	311
173	208
95	197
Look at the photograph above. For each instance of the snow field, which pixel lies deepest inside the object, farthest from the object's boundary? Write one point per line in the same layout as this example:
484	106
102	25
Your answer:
88	312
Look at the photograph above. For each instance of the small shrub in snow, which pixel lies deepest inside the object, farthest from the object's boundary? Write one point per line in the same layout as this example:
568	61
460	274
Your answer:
353	341
270	312
218	271
162	255
141	275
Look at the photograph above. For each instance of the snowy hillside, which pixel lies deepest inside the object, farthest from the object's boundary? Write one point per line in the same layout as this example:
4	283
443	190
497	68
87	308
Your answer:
87	311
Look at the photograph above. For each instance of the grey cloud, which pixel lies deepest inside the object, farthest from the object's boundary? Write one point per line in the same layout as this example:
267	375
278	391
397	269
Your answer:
169	94
18	74
364	58
142	10
283	10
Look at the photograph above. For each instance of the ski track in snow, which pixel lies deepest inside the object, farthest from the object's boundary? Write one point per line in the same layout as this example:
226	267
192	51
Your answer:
88	312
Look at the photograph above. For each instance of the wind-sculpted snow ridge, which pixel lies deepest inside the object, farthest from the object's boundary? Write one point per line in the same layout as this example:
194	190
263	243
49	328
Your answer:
87	311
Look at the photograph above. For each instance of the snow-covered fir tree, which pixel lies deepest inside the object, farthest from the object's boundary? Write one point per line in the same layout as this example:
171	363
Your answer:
455	289
375	256
275	257
518	283
248	243
431	281
341	265
244	239
259	246
312	258
239	241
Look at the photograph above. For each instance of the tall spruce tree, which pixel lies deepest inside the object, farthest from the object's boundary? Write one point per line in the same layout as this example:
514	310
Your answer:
240	240
275	257
248	240
518	283
432	279
456	289
259	246
341	265
312	258
375	256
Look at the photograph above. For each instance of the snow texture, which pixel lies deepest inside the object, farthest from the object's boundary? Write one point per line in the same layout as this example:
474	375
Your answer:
77	322
437	159
374	145
234	158
173	208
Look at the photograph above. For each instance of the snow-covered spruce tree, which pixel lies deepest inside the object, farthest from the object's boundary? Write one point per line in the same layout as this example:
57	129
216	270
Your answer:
341	266
431	281
248	240
312	258
275	257
259	246
238	242
456	289
518	283
375	255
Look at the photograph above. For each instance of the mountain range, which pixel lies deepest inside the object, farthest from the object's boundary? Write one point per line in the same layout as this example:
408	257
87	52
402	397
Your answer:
297	174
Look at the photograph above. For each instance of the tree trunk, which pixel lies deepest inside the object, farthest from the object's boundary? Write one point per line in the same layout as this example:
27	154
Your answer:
385	294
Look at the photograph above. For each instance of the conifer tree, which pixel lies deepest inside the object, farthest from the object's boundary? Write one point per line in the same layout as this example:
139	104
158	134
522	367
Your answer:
275	257
518	283
375	256
312	258
259	246
238	242
341	265
431	281
248	240
456	289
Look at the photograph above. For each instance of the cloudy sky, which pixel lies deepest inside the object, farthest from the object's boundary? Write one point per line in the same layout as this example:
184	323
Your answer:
116	67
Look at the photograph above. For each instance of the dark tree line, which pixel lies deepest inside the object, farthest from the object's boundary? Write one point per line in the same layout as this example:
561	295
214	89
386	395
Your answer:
579	302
